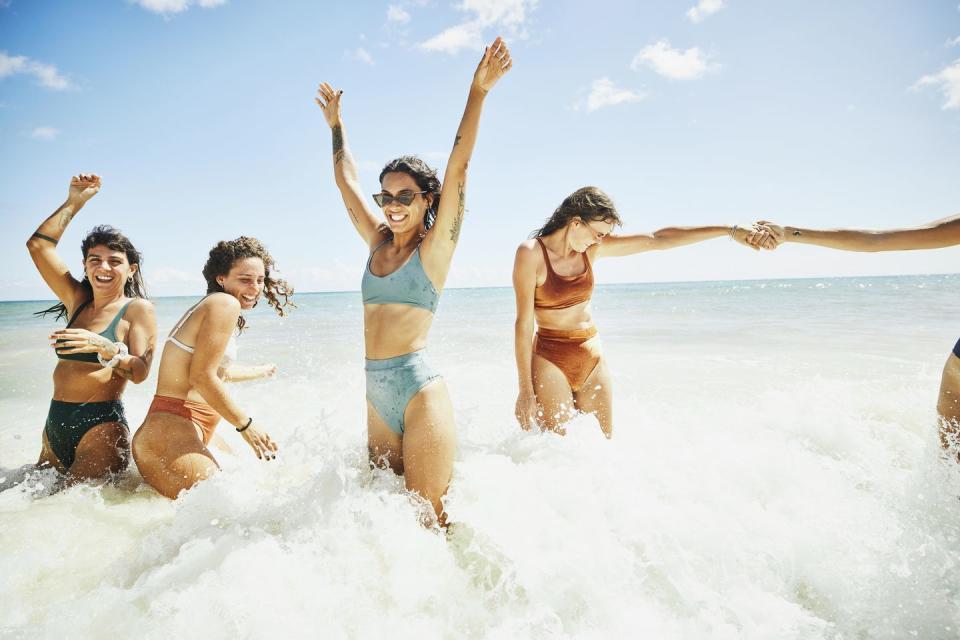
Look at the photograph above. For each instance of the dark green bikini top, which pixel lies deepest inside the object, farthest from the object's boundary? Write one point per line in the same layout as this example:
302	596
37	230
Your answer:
110	333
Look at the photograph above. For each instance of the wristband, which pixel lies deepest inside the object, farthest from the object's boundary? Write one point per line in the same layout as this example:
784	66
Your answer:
244	427
122	352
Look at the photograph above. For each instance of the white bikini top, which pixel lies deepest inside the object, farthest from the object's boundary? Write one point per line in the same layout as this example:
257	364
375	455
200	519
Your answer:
229	354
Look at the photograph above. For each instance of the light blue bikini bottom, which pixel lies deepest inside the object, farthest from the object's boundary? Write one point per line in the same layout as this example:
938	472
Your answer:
392	382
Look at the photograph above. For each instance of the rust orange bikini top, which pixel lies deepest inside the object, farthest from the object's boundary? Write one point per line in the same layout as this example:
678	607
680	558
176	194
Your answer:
563	292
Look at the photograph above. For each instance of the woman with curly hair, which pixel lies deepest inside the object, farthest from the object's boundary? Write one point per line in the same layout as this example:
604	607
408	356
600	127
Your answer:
561	370
170	448
410	424
109	339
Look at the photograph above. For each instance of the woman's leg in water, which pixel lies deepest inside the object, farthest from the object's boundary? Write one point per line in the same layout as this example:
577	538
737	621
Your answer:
948	405
47	457
103	450
596	397
429	445
170	454
553	394
383	444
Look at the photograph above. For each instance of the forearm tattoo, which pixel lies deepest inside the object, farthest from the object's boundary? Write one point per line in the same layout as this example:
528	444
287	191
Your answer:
337	144
458	221
457	140
796	232
353	215
66	217
47	238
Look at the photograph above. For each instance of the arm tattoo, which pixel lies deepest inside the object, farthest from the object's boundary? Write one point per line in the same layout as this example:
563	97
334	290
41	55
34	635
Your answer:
66	217
457	141
337	144
353	215
796	232
43	237
458	221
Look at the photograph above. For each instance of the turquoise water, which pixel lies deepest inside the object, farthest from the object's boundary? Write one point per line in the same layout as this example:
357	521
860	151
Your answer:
774	473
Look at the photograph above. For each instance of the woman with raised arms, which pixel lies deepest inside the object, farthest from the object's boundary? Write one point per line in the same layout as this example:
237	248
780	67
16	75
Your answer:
561	369
109	339
934	235
200	354
410	424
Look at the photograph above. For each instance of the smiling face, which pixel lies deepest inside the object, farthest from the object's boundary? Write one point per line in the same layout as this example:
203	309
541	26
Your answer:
244	281
107	270
402	218
583	234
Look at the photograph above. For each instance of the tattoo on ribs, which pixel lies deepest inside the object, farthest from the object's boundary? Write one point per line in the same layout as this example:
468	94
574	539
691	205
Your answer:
458	221
337	144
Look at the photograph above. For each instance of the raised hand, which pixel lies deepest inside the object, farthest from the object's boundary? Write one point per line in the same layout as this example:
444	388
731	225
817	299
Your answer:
82	188
68	341
494	63
260	442
329	102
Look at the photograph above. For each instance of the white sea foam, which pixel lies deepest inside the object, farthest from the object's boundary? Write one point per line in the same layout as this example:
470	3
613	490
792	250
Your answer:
775	473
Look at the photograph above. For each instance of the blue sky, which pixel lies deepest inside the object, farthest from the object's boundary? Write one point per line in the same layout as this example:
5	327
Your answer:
199	116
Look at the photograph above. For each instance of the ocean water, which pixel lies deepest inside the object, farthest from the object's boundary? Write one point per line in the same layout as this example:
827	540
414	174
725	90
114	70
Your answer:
774	473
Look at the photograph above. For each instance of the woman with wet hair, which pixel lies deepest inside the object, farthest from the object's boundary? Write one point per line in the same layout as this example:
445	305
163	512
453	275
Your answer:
109	339
171	447
410	424
561	369
933	235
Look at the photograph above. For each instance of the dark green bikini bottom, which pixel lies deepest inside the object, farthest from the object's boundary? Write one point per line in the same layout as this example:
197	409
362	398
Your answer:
68	422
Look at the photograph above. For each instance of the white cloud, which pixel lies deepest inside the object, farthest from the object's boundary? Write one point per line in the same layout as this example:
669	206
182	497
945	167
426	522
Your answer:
948	81
167	7
603	93
44	133
46	74
468	35
397	14
507	16
673	63
954	42
704	9
361	54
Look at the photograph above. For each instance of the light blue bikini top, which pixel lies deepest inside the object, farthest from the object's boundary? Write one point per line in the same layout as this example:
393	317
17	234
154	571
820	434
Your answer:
407	285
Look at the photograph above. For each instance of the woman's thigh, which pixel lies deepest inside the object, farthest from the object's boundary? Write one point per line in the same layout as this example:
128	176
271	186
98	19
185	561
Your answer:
102	450
383	444
429	444
596	397
553	393
170	455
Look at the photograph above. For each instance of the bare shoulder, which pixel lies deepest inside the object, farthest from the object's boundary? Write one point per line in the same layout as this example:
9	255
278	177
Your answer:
221	303
528	251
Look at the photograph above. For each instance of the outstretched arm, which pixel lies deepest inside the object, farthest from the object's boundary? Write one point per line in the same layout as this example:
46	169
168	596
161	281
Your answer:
43	243
440	243
672	237
344	167
935	235
247	372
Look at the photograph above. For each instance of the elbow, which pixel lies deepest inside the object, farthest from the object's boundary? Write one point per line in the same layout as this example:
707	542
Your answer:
33	245
201	381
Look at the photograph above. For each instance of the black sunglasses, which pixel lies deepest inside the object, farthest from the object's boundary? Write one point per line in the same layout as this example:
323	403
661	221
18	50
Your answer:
404	198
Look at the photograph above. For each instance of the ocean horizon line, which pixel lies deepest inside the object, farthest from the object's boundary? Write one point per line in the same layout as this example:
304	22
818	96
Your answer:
599	285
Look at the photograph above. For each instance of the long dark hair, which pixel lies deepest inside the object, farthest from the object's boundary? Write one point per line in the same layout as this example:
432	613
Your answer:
586	203
111	238
426	179
228	252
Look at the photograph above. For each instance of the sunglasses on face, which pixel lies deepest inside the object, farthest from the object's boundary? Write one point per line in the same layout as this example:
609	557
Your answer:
404	198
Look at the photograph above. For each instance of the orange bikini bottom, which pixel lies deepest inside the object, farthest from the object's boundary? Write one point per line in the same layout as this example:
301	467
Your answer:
199	413
573	352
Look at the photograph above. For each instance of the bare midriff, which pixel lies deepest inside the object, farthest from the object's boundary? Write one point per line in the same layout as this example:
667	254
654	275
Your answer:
75	381
578	316
391	330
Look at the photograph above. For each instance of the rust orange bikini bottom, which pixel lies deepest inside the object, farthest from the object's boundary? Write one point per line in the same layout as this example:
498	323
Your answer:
573	352
199	413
